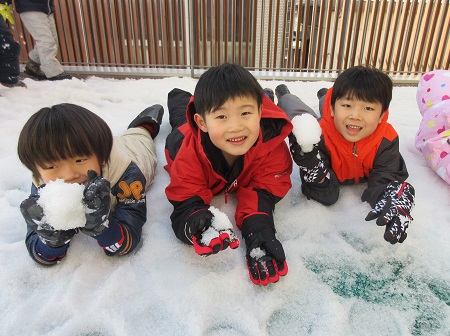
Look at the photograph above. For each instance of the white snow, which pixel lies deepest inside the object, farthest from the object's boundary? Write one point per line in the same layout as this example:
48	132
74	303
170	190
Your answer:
307	131
63	204
343	279
220	222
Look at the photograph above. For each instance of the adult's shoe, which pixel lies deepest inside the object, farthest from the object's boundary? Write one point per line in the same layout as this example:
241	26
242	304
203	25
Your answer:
33	69
61	76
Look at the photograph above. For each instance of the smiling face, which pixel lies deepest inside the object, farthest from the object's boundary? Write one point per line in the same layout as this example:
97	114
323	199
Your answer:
233	127
73	170
356	119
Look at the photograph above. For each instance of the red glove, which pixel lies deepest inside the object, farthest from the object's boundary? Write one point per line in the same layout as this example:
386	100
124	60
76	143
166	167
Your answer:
266	260
206	238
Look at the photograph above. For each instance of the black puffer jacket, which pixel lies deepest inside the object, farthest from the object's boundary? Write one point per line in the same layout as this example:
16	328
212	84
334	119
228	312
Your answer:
9	52
45	6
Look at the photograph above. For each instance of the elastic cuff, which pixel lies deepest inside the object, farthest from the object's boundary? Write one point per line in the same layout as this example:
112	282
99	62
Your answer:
47	255
325	183
257	222
110	236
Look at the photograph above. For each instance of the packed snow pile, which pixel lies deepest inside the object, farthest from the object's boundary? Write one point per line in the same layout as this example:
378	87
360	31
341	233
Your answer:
220	223
63	204
307	131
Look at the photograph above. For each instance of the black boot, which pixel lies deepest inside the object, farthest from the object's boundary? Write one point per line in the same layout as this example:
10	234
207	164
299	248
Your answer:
150	119
281	90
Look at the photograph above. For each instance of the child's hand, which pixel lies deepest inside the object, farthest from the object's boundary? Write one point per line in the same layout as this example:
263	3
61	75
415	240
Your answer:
96	198
35	219
207	237
266	260
394	211
311	165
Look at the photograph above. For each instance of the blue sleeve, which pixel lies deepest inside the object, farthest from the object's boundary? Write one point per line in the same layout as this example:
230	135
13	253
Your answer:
131	207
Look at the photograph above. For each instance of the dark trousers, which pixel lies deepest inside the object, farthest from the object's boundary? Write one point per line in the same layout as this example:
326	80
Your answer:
177	101
9	53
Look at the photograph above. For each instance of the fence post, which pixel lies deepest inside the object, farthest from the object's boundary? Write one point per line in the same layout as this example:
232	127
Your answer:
189	26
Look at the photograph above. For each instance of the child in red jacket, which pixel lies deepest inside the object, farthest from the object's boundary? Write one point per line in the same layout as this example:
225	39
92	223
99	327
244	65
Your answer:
357	145
229	137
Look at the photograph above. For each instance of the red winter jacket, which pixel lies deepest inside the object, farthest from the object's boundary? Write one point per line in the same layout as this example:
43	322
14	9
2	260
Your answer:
260	179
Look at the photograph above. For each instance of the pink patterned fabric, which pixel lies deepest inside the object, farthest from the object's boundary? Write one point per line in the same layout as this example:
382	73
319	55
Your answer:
433	137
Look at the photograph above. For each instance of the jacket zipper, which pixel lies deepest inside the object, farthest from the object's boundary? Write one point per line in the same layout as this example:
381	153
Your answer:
228	188
49	8
355	163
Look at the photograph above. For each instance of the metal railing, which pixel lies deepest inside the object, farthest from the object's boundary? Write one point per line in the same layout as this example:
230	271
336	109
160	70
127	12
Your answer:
273	38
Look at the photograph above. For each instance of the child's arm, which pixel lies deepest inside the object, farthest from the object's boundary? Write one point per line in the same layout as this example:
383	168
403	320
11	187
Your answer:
270	182
118	231
388	166
391	198
129	214
319	182
190	196
309	153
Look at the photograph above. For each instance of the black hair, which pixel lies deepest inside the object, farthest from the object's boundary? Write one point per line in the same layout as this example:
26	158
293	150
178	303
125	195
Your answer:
220	83
62	132
363	83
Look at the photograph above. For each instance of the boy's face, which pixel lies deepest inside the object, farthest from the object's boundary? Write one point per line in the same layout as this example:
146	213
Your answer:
356	119
233	127
73	170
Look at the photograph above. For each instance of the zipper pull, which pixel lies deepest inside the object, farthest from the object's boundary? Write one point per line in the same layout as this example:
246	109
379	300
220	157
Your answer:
228	188
355	153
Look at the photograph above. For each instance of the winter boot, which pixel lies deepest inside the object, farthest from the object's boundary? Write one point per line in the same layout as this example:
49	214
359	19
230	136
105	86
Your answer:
61	76
281	90
33	69
269	93
150	119
18	84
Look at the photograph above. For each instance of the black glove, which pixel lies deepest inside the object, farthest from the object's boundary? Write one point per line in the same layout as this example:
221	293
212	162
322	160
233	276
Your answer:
266	260
35	219
97	200
199	223
394	211
311	165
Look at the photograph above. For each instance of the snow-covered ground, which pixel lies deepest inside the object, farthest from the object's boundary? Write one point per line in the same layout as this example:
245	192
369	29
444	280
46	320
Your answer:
343	279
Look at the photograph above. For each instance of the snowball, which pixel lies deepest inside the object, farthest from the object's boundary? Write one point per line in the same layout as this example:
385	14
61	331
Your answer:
62	204
220	222
209	234
307	131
